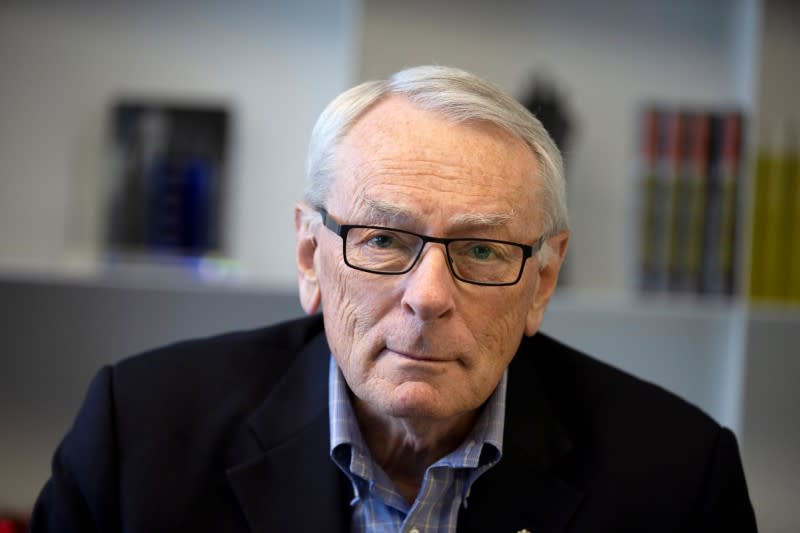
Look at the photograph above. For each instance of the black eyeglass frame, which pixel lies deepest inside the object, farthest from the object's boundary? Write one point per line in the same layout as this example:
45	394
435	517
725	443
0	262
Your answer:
342	229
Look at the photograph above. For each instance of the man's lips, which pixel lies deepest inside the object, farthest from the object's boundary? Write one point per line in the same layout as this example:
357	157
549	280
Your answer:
407	354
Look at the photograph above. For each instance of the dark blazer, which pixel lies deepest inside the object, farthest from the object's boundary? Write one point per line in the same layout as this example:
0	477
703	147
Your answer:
231	434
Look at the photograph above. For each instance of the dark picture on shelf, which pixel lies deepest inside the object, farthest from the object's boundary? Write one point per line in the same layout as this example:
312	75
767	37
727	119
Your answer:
168	178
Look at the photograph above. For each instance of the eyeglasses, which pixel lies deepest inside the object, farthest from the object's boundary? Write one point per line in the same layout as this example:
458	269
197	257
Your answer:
392	251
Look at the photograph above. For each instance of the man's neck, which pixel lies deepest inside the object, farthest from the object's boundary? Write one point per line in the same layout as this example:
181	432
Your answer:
404	448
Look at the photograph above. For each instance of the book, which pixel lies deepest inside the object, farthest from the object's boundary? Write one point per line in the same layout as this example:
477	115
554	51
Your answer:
672	201
720	242
691	210
662	145
773	221
649	222
793	237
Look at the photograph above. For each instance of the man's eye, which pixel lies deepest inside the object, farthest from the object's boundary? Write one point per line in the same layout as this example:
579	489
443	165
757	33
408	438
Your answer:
484	253
381	241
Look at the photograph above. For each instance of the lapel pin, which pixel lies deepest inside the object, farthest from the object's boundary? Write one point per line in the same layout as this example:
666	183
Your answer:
523	531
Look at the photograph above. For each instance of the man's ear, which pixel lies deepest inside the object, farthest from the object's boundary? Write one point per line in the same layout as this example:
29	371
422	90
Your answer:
547	280
307	281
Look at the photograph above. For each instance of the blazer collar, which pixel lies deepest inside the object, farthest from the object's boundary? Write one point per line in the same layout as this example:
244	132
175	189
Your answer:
287	481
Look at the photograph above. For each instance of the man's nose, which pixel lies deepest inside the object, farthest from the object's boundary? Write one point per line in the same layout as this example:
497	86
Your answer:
430	285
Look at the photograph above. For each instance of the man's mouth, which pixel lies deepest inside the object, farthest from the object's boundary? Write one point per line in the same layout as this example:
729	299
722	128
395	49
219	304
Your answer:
420	357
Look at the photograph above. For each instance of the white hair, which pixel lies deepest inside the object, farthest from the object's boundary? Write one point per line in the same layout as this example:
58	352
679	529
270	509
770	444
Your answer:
456	95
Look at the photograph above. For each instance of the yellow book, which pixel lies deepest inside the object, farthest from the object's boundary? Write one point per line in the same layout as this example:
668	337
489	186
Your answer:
758	285
775	230
774	247
793	233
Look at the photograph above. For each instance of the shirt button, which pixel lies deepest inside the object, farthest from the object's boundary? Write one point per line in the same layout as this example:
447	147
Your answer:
413	530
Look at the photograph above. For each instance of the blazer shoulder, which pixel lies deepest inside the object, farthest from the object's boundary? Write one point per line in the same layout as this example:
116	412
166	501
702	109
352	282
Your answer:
199	375
266	346
631	448
165	425
596	395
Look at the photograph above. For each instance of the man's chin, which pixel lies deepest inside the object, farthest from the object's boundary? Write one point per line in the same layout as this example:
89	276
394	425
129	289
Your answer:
418	400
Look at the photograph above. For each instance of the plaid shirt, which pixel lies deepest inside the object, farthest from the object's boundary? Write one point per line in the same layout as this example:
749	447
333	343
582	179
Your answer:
377	505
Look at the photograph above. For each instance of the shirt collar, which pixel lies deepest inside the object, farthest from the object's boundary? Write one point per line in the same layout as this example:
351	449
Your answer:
345	434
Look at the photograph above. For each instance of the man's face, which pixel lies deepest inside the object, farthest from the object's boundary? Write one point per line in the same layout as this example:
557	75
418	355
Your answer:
423	344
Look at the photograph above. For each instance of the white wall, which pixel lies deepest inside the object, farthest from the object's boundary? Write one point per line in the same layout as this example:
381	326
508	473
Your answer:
608	57
779	94
62	63
771	430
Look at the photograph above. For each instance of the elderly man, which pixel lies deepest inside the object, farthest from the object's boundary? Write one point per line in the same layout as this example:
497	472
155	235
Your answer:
422	399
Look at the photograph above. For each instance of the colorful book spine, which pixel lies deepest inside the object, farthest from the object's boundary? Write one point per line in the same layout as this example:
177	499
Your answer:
691	211
649	191
672	197
722	205
729	181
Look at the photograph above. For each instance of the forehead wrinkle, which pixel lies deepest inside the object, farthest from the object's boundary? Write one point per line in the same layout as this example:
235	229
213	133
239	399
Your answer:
372	168
429	177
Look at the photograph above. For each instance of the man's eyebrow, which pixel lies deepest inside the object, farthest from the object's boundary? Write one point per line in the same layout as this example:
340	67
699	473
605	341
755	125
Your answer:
387	212
481	219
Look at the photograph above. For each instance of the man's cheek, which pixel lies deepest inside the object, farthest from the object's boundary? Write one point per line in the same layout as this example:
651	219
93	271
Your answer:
503	331
336	290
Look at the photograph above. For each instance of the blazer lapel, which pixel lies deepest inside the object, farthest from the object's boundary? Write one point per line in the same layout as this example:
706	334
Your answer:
288	481
525	490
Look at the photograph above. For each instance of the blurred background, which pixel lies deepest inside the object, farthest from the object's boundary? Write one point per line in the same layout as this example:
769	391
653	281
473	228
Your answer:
151	154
